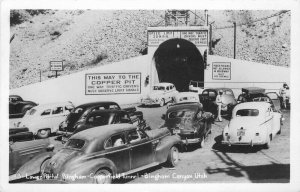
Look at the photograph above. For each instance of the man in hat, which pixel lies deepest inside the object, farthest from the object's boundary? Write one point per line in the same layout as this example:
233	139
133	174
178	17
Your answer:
219	103
283	93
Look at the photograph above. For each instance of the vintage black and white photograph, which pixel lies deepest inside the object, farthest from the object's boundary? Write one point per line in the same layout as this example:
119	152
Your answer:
148	96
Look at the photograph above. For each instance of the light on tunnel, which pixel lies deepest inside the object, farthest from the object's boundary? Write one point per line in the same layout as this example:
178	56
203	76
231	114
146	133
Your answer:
178	46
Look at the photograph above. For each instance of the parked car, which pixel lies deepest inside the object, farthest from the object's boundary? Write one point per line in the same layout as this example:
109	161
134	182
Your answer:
45	119
252	123
189	121
208	99
81	112
21	154
115	151
20	134
160	94
196	87
18	107
186	97
106	117
250	94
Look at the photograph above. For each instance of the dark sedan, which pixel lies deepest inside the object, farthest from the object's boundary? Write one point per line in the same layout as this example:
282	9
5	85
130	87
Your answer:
208	99
250	94
18	107
107	117
93	156
189	121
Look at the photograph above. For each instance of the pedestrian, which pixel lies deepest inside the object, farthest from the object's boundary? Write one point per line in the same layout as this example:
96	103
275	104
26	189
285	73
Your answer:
219	103
283	93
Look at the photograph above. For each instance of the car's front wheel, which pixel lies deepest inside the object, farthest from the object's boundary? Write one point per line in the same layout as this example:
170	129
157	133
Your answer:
103	176
43	133
173	157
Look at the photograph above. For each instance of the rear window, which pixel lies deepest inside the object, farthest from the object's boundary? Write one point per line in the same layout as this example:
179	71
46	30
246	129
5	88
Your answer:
75	143
181	114
247	112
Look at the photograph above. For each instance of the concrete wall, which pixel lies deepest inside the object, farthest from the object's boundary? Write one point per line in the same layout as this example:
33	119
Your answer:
248	74
72	87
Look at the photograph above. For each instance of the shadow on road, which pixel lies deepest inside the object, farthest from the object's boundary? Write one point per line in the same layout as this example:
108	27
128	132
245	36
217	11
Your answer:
269	173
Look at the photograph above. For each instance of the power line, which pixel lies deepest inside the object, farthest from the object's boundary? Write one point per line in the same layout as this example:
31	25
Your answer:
254	21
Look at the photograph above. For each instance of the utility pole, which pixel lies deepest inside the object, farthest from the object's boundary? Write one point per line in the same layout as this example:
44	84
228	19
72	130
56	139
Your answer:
234	39
210	40
206	17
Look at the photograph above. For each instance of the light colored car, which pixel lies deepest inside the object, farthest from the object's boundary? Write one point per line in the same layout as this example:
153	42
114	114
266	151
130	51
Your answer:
185	97
44	119
252	123
160	94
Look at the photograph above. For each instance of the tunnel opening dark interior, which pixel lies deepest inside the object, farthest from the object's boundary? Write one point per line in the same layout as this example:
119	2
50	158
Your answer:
178	61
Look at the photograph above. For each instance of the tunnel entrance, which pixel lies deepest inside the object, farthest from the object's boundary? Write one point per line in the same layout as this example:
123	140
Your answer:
178	61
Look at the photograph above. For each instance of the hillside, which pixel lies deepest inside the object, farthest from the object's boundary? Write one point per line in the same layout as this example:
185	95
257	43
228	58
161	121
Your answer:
90	38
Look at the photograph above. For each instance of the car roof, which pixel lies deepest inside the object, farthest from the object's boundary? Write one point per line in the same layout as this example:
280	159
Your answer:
107	111
102	132
14	96
219	88
51	105
254	89
253	105
187	105
163	84
97	103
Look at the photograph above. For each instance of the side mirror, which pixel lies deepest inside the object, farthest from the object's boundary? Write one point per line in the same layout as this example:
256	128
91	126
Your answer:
163	117
50	147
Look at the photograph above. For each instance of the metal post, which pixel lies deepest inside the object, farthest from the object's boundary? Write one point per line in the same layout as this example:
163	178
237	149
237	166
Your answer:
210	40
55	74
206	17
234	40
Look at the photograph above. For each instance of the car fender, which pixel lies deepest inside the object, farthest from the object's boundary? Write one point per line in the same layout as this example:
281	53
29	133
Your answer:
163	147
91	166
33	166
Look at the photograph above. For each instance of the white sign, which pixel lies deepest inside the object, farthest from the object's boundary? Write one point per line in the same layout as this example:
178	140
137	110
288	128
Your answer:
198	37
56	65
221	70
112	83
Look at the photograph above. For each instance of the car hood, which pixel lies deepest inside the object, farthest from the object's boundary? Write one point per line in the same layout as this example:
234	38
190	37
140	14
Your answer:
56	164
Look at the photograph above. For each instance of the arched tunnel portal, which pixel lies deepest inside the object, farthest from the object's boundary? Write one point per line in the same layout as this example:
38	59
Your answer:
178	61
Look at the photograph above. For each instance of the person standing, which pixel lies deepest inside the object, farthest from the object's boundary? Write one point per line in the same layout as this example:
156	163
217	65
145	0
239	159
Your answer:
219	103
283	94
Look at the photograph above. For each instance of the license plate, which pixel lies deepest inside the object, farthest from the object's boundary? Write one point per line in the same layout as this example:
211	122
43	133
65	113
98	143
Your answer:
241	132
176	131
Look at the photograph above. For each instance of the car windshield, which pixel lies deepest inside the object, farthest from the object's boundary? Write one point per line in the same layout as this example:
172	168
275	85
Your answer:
228	93
158	88
247	112
181	114
75	143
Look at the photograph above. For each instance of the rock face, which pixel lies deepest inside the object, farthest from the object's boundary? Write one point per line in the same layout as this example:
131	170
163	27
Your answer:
89	38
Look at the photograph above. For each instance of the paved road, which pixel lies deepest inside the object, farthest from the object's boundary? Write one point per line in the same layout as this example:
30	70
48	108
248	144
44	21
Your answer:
214	164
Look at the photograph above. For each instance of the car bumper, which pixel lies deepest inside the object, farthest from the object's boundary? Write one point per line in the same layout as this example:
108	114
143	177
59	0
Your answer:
251	143
150	102
64	133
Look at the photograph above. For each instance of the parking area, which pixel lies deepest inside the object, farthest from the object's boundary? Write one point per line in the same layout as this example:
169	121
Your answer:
213	162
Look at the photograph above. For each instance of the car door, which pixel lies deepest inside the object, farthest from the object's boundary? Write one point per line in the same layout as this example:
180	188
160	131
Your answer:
118	151
275	99
141	149
269	121
275	122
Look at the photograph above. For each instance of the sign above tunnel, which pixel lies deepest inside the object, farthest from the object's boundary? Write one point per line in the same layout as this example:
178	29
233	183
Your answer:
197	37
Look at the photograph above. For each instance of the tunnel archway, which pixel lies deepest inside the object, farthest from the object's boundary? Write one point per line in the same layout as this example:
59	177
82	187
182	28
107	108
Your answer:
178	61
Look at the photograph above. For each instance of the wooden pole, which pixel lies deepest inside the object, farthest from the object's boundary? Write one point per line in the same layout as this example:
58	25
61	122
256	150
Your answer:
234	40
